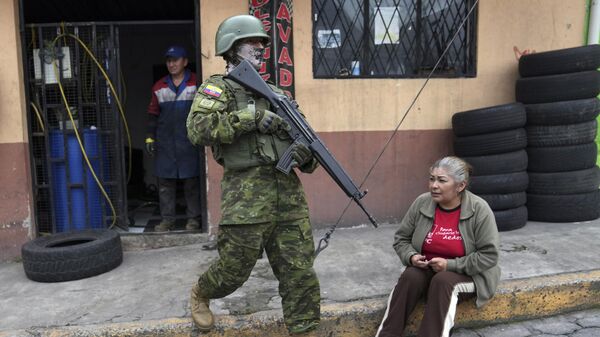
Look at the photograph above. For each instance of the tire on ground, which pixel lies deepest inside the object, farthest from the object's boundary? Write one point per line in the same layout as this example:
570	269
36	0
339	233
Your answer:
564	208
491	119
562	61
491	143
498	163
554	88
562	158
561	135
564	112
569	182
499	183
72	256
511	219
500	202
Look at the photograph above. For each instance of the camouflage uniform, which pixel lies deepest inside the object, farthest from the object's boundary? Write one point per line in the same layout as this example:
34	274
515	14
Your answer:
262	208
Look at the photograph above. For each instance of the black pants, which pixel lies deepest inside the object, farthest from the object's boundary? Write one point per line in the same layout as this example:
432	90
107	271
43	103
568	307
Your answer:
167	197
443	290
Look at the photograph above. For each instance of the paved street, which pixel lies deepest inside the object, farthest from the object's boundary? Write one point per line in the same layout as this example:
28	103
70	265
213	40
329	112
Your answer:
576	324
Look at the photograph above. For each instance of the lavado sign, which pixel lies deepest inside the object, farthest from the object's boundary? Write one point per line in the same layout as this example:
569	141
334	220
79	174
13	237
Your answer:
276	16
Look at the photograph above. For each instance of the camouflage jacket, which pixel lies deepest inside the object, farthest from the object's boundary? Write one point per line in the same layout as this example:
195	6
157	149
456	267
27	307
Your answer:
249	195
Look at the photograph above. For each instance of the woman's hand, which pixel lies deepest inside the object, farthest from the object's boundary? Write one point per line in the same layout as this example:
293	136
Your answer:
438	264
419	261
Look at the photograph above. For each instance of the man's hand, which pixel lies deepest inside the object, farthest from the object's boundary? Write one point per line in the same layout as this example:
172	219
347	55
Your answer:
301	155
150	149
268	121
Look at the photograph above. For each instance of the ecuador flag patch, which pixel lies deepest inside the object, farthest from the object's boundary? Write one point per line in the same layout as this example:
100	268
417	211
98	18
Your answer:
212	91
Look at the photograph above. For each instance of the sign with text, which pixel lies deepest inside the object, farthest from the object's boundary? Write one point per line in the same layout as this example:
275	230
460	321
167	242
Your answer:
276	16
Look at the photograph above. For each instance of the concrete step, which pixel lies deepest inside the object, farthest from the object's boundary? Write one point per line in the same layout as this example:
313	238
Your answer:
519	299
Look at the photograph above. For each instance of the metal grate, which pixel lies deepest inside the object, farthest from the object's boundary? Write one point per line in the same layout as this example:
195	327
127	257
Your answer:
392	38
66	195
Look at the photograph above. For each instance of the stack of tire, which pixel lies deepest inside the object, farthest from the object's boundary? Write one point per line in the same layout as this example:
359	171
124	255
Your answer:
493	141
559	90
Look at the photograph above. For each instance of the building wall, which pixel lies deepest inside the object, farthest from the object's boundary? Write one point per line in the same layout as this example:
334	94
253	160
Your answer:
355	117
15	177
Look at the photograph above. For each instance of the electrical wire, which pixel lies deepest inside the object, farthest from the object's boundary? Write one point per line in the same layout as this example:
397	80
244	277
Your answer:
39	116
57	75
324	242
87	160
112	89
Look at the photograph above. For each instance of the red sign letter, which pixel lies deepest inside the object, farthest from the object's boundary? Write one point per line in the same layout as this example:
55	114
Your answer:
284	13
284	57
284	36
286	78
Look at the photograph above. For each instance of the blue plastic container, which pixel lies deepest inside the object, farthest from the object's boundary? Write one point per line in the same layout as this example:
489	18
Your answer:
71	211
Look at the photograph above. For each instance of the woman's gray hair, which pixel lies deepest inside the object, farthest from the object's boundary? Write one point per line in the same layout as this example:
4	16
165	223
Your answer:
456	168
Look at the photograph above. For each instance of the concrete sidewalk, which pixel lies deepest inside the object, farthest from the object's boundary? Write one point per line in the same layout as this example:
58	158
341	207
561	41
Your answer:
546	269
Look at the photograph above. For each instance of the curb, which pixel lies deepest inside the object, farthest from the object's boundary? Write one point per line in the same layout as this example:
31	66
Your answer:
520	299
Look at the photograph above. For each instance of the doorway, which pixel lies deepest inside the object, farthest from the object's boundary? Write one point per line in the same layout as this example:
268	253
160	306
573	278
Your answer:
88	84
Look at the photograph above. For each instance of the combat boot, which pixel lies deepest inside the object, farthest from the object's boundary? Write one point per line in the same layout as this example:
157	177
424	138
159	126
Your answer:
165	225
201	314
192	225
303	327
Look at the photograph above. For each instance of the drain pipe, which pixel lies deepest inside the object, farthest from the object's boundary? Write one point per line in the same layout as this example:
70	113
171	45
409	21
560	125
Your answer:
594	23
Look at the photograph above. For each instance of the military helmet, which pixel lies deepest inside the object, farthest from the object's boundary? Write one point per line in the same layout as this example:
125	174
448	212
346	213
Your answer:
236	28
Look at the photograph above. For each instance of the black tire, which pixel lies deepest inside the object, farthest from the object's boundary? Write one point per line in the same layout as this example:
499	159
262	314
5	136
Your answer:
499	202
570	182
565	112
562	61
564	208
554	88
562	158
499	183
491	143
561	135
72	256
498	163
486	120
511	219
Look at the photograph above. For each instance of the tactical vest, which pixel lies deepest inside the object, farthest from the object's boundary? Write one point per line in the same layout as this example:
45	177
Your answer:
252	148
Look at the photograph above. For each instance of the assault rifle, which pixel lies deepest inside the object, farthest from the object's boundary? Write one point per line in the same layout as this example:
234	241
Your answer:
299	131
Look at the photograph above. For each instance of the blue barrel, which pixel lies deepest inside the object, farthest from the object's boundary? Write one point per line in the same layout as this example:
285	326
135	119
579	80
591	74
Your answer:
75	176
94	196
59	180
85	201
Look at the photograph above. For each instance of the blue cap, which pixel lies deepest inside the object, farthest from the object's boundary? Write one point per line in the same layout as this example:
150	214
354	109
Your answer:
176	52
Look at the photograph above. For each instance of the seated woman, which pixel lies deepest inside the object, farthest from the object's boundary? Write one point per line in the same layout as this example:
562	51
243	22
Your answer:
449	242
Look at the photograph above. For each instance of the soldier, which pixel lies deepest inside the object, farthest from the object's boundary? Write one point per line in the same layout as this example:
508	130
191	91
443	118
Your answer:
262	208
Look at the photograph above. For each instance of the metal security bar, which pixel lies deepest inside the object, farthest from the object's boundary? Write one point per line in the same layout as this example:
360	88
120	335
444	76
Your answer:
66	195
392	38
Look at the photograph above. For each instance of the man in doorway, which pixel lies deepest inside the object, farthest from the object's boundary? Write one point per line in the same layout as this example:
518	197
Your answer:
263	209
175	158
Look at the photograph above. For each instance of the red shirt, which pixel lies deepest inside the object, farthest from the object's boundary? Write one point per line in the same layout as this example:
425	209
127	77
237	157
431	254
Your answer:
444	239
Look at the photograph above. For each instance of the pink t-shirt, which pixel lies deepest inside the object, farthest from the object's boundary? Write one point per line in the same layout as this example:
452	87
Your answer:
444	239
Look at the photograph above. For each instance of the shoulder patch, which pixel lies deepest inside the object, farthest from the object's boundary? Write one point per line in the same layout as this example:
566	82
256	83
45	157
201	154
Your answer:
207	103
212	90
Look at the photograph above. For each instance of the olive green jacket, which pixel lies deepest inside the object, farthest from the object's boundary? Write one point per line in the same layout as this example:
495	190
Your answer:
477	227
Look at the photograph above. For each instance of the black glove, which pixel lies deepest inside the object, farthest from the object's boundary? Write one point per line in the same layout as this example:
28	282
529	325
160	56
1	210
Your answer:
150	149
268	121
301	154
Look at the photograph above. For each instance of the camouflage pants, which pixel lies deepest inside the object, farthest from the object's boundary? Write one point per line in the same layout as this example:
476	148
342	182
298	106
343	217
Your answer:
289	246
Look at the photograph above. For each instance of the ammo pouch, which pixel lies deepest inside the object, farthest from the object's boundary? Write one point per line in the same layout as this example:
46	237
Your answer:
253	148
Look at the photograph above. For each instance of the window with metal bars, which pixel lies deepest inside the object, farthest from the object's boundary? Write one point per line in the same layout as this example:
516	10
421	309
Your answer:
393	38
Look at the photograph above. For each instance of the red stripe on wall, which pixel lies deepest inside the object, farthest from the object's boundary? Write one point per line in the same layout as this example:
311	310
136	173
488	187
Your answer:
400	175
